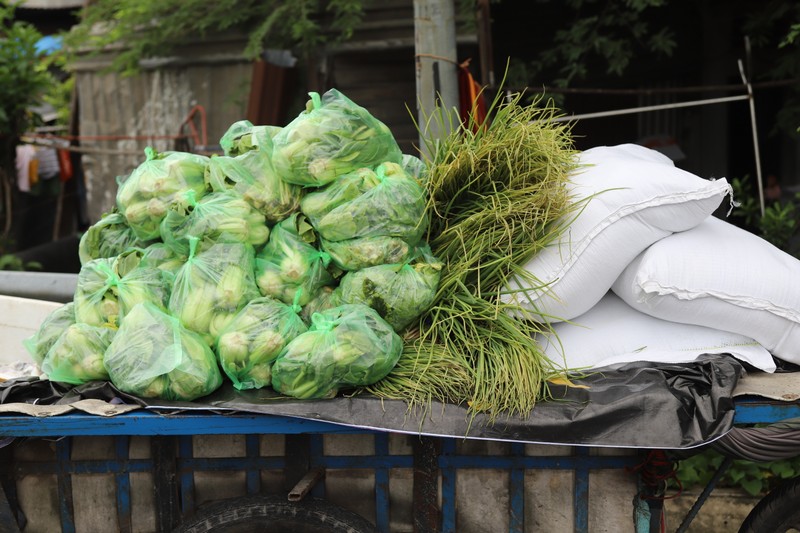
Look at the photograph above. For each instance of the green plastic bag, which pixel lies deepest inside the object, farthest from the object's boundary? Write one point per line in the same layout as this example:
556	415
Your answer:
49	331
333	136
212	286
255	337
159	255
394	207
415	167
344	189
77	355
345	347
242	136
398	292
290	268
146	195
252	176
326	298
216	217
108	237
355	254
153	356
108	288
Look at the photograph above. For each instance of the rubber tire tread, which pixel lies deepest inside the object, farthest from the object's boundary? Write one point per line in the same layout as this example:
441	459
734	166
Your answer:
257	513
778	510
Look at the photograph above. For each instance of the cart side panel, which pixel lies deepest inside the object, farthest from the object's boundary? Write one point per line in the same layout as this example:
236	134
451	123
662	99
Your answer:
482	486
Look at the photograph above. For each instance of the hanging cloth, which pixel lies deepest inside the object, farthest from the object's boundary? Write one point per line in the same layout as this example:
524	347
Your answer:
471	101
26	167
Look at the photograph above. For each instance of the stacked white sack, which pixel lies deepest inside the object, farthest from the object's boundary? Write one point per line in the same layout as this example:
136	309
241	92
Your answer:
631	197
720	276
613	333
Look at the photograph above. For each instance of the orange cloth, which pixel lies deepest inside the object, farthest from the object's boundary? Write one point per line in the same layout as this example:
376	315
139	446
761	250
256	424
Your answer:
64	164
471	102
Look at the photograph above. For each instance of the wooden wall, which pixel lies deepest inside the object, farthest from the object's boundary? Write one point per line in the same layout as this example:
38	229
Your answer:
120	116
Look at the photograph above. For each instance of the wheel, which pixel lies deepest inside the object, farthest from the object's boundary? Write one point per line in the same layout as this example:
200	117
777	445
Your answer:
777	512
273	514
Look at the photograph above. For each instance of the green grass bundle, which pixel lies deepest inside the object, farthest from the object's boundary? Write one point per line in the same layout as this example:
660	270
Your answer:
496	194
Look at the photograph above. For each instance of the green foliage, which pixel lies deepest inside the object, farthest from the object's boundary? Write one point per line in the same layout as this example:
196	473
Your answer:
59	92
779	223
594	39
753	478
12	262
773	28
150	28
604	33
23	79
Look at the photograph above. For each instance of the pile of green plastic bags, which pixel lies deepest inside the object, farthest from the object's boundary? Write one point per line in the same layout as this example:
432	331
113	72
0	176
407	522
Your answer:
293	261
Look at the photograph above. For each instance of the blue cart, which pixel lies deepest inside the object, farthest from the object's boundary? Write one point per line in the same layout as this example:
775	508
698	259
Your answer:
413	482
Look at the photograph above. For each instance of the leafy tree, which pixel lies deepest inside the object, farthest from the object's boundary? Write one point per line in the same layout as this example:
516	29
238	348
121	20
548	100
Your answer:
774	29
149	28
610	33
23	79
579	39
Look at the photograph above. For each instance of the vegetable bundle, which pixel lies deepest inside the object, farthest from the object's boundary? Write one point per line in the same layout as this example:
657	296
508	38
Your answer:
77	355
108	237
108	288
217	217
254	339
49	331
243	136
144	197
349	345
496	195
398	292
367	218
333	136
212	286
252	176
153	356
387	201
290	268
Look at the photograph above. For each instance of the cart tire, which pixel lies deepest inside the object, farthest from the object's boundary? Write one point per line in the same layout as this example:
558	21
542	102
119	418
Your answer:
777	512
273	514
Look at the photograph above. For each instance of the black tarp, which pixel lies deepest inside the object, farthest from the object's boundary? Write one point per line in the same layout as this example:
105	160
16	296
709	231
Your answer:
640	405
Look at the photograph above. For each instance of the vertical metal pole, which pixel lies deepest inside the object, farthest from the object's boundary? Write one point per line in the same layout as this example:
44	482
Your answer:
164	451
8	520
580	504
436	64
382	483
516	489
65	500
298	459
12	519
426	484
752	102
253	473
123	484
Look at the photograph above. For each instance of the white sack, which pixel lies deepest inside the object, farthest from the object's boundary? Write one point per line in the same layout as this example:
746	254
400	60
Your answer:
720	276
633	196
613	332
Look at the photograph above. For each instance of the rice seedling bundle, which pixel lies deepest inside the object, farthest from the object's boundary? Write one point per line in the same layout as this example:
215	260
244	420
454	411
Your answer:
497	195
